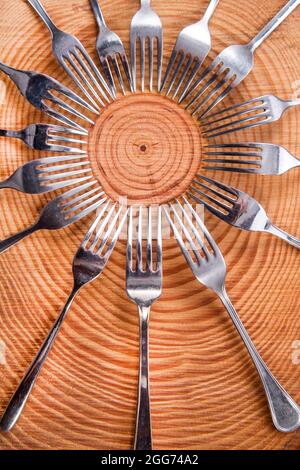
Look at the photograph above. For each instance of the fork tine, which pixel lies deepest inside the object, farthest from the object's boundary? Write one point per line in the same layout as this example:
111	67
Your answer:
109	231
107	72
133	61
159	60
63	184
149	260
178	238
209	207
116	236
93	227
127	70
210	198
221	186
100	229
190	90
169	68
151	60
69	60
59	102
159	241
74	97
96	72
192	226
118	73
193	73
142	62
186	234
202	91
129	241
139	242
62	138
61	118
249	119
260	100
64	130
183	76
205	231
216	101
81	201
175	73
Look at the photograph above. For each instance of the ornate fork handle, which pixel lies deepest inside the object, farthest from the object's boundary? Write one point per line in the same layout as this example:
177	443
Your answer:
143	433
36	4
285	412
278	232
20	397
14	239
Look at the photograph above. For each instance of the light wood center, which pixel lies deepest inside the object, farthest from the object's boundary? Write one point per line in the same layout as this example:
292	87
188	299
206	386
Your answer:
145	148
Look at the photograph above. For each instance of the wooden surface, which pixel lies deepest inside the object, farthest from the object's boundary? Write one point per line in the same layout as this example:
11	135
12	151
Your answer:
205	391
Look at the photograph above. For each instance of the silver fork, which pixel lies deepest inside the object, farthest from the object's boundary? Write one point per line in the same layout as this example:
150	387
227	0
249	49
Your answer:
48	174
252	113
39	89
45	137
209	268
193	45
251	157
88	264
146	25
73	57
110	48
232	66
236	208
63	211
144	287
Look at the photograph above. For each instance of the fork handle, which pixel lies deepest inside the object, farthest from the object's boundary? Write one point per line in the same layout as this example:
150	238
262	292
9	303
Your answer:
20	397
210	10
146	3
285	412
12	134
98	13
38	7
274	23
11	241
278	232
143	433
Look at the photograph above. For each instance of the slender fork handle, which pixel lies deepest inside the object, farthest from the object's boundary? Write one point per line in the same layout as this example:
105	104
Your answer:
146	3
98	13
12	134
143	433
285	412
20	397
38	7
274	23
283	235
210	10
11	241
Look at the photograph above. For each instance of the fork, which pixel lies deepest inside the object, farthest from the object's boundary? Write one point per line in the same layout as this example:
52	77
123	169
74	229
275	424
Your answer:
48	174
146	25
110	47
38	88
45	136
75	60
236	208
252	113
144	287
209	268
251	157
88	265
232	66
63	211
193	45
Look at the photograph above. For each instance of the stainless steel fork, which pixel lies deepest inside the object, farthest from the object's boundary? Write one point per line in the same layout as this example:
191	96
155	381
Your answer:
110	48
144	287
73	57
232	66
49	174
88	265
41	90
208	266
63	211
146	26
250	157
236	208
46	137
252	113
192	47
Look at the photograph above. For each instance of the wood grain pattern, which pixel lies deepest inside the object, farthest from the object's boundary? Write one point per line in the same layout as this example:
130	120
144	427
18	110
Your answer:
205	391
